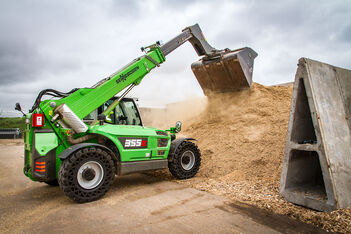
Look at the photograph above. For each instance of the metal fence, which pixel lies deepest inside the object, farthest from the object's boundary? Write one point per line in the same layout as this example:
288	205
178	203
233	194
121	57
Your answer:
10	133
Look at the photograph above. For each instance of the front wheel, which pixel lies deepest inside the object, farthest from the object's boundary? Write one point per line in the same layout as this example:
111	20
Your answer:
186	161
87	174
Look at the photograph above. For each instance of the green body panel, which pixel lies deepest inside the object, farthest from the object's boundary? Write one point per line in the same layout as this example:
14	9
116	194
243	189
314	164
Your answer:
124	130
44	142
85	100
112	132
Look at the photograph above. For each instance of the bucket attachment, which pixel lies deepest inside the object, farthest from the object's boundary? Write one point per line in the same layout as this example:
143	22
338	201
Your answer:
230	71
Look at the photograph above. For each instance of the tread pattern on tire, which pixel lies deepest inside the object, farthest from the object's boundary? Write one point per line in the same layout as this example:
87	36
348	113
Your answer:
67	177
175	166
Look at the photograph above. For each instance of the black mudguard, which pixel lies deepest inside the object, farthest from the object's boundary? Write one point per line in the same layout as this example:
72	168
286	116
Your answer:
67	152
175	144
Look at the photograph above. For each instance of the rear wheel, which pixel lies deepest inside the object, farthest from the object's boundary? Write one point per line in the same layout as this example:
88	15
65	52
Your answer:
87	174
186	161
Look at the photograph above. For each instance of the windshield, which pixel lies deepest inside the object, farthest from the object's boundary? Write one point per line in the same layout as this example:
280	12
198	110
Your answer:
126	113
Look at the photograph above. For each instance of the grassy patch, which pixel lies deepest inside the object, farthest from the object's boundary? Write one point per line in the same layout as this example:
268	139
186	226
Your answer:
12	123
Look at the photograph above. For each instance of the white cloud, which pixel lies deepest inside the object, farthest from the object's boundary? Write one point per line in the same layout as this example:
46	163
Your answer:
68	44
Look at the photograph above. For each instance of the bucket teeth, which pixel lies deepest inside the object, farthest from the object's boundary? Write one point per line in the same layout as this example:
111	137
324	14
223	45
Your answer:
230	71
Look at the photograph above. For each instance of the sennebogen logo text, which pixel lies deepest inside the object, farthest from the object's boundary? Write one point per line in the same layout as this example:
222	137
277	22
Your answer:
123	77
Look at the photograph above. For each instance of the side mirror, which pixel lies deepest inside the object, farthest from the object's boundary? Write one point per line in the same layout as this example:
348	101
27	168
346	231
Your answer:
178	127
18	107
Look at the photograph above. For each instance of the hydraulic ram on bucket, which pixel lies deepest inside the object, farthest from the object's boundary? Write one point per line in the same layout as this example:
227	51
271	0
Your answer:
217	71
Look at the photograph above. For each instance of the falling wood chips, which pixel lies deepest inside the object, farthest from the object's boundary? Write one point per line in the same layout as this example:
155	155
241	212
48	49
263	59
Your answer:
242	139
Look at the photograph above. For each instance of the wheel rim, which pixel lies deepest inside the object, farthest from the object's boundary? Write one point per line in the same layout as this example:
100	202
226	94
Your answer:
187	160
90	175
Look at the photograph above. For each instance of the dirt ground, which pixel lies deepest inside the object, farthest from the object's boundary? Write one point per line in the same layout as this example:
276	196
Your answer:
242	138
136	203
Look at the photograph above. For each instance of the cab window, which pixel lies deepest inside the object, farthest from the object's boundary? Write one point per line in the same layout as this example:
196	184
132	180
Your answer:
125	113
131	115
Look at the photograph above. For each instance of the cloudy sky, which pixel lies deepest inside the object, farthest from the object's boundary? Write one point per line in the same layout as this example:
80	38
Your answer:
66	44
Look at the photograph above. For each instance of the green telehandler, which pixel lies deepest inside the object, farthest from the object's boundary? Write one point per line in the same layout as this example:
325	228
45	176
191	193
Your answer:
81	139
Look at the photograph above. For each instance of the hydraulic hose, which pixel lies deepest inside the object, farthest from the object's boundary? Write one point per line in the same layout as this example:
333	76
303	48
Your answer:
50	92
73	141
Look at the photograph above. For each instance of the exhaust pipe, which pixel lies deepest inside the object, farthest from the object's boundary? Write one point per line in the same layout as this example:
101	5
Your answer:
71	119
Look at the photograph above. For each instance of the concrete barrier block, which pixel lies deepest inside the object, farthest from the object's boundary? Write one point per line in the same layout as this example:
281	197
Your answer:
10	133
317	162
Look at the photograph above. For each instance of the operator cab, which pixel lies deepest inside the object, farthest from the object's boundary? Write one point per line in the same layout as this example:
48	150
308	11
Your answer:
126	113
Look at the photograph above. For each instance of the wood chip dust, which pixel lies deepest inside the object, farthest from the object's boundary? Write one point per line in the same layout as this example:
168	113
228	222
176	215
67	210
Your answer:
242	139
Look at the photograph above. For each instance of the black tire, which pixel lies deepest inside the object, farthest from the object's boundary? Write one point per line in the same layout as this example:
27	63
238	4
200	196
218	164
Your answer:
52	183
68	174
178	169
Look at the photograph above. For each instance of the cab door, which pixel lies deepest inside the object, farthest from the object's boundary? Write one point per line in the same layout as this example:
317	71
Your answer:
128	112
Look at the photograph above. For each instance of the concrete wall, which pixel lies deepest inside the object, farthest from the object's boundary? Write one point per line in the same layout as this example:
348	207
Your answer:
317	163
